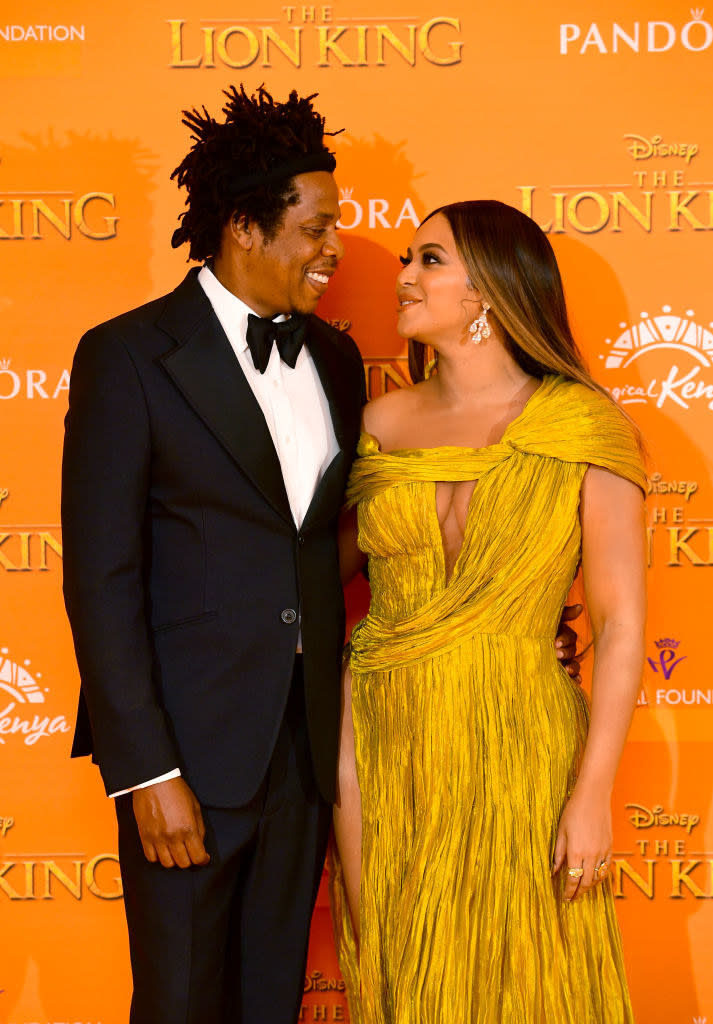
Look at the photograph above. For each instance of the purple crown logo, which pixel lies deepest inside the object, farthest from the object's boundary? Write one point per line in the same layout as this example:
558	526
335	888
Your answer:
667	659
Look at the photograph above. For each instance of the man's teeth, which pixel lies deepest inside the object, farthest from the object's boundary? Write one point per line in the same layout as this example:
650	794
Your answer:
322	278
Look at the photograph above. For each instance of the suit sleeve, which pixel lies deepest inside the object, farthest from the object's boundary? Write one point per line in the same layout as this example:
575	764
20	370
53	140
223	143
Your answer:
105	493
358	360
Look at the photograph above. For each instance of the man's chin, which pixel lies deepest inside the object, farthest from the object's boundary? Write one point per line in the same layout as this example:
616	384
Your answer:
306	305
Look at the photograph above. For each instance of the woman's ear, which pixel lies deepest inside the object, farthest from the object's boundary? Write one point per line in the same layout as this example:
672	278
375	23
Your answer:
476	294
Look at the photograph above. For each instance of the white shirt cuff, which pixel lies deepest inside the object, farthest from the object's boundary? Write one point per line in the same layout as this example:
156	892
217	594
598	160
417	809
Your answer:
175	774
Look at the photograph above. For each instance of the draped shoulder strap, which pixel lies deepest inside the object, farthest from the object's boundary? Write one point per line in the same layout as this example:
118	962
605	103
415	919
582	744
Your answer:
374	471
571	422
562	420
368	471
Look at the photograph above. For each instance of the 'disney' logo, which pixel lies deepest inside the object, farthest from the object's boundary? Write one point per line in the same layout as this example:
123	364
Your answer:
656	817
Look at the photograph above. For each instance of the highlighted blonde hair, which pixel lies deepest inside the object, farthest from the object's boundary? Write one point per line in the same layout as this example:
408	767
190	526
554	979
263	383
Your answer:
509	259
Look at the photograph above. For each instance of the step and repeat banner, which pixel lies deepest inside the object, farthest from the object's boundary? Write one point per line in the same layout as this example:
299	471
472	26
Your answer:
590	117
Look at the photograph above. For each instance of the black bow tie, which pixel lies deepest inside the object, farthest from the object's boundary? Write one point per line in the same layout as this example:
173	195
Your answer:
261	333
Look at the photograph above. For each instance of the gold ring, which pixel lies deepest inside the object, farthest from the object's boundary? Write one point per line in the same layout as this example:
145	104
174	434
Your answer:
602	869
575	872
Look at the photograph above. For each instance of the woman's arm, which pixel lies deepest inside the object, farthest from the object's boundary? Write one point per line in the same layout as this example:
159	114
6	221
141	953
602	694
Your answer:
613	569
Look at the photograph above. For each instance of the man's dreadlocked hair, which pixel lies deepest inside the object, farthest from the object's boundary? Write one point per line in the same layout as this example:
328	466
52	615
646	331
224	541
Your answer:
257	135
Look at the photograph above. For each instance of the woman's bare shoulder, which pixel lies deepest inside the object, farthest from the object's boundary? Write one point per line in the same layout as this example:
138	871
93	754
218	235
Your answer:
385	417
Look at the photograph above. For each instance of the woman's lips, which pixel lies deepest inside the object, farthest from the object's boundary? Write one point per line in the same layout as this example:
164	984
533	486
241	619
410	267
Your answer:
405	302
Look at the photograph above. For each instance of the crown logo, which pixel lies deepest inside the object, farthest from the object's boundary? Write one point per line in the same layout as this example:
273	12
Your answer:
697	13
660	330
667	642
346	193
5	364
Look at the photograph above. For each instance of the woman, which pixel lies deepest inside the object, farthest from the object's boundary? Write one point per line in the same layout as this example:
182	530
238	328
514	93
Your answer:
474	824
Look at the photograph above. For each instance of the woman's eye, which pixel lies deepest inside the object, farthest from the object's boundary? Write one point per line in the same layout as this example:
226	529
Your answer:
405	260
430	257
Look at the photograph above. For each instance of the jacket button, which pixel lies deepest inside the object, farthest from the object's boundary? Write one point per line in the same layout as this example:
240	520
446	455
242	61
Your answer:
288	616
300	538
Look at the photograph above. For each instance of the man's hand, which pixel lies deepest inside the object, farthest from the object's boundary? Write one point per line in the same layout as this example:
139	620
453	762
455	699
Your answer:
566	642
170	824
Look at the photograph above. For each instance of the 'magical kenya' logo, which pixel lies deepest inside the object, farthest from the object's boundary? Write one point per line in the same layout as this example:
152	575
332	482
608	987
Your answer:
20	694
664	360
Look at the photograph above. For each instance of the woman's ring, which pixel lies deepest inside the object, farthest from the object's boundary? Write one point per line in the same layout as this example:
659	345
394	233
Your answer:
575	872
602	869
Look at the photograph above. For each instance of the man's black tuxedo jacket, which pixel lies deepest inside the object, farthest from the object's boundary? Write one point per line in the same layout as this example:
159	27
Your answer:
182	562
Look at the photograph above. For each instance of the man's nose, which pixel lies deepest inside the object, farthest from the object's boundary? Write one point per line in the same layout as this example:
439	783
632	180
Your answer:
333	245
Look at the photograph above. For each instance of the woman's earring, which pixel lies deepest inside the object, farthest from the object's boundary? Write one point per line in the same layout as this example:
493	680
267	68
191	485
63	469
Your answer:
480	328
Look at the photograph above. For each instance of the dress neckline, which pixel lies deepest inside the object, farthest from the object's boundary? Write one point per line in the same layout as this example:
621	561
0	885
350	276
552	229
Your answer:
548	379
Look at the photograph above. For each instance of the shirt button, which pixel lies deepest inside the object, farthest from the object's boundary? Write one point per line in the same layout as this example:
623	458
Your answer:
288	616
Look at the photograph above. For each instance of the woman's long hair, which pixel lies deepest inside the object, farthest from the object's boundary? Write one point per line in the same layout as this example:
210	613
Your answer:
511	262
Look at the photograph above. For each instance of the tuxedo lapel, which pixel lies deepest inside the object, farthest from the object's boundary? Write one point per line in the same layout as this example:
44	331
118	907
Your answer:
328	361
330	368
206	371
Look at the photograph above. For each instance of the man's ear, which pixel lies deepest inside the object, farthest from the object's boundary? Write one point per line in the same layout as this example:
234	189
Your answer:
242	231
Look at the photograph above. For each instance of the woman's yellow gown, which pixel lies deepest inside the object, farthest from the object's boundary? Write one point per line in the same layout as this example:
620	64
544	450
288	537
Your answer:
468	732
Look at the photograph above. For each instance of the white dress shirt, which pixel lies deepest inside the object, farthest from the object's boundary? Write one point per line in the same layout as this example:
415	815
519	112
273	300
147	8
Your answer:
295	408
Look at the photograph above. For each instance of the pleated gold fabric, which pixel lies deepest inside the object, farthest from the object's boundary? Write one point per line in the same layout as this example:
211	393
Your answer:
468	732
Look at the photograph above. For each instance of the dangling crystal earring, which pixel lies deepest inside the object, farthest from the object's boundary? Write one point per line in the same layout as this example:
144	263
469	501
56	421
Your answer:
480	328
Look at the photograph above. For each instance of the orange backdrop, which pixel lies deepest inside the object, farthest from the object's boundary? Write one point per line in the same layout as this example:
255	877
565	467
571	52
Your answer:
590	118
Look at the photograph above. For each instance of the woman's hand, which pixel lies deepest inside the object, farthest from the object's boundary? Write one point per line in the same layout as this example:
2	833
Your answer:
584	842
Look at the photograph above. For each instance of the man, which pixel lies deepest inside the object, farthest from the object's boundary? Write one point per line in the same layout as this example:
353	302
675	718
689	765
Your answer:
206	453
207	449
